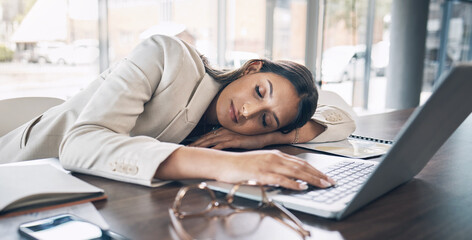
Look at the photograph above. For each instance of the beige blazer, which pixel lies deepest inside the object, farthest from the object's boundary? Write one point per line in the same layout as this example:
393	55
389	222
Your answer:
130	119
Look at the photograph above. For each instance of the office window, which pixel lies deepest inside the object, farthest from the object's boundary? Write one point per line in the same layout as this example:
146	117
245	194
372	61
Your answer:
344	51
194	21
454	41
245	31
132	21
379	56
290	30
55	53
47	47
247	26
201	25
129	22
342	61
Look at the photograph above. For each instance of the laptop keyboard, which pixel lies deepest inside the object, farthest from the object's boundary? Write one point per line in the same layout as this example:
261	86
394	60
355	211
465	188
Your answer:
349	177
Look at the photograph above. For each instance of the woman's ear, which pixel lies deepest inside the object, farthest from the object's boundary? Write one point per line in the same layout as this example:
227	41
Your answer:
254	67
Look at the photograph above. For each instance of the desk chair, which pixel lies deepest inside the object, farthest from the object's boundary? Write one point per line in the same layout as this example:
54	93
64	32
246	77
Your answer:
333	99
16	111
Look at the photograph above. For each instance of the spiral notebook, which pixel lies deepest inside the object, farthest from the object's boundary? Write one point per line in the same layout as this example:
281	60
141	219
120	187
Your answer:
354	146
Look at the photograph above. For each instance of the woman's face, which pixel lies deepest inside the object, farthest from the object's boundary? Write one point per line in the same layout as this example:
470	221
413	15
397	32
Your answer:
257	103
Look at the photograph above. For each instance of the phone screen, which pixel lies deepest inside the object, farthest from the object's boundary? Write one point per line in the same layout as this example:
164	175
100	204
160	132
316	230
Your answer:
62	227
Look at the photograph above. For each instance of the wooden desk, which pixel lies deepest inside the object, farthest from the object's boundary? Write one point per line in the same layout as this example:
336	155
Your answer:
436	204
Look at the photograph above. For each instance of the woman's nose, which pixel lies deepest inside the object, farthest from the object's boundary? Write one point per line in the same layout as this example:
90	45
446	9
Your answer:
248	110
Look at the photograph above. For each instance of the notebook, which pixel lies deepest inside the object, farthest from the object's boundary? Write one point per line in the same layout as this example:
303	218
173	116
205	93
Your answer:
354	146
422	135
37	185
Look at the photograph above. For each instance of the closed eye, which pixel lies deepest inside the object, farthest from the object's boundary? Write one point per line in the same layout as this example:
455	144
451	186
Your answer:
258	91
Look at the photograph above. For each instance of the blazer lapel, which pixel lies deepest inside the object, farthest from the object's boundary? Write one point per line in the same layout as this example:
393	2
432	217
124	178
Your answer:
188	118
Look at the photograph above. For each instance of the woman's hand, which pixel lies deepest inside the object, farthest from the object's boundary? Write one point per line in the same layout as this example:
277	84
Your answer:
265	166
223	138
272	167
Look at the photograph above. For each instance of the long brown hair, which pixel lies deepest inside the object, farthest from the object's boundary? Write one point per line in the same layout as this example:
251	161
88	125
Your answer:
300	77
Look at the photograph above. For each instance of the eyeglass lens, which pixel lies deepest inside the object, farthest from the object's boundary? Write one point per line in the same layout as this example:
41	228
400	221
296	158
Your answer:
195	201
243	203
243	223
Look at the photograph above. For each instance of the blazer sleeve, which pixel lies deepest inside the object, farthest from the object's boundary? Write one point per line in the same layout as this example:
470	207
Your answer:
99	142
337	122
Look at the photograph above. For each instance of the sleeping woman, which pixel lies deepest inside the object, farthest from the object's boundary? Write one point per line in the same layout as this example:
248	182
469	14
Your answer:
163	113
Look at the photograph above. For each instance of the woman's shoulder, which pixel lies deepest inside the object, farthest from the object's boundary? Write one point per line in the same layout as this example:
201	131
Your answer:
172	42
168	46
169	53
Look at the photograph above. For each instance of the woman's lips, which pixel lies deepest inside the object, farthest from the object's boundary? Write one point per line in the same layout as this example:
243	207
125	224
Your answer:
232	113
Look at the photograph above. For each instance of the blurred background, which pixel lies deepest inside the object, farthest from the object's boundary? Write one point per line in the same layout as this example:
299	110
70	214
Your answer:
56	47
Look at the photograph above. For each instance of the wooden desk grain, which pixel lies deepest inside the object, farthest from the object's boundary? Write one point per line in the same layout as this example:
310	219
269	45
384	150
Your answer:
436	204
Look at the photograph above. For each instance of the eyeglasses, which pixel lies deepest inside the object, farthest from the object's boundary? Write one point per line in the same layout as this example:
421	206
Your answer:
199	200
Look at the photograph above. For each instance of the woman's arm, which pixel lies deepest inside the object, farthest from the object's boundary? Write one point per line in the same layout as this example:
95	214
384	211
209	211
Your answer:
224	138
100	142
264	166
327	124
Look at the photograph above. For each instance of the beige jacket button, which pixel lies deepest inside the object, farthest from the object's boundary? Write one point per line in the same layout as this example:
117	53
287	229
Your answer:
333	117
133	170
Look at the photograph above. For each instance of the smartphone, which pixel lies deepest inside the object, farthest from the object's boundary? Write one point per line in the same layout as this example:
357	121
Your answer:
65	226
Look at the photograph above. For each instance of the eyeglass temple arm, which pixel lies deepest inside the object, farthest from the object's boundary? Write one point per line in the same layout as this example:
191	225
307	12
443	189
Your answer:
178	226
265	200
291	217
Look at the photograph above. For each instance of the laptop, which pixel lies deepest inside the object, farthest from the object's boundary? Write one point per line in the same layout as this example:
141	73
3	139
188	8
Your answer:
362	181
